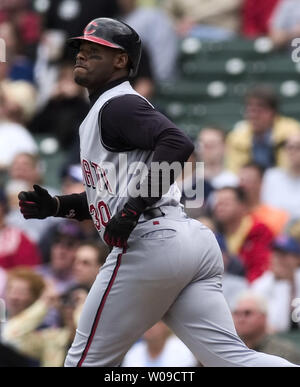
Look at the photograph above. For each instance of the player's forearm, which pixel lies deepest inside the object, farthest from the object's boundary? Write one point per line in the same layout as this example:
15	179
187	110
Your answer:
73	206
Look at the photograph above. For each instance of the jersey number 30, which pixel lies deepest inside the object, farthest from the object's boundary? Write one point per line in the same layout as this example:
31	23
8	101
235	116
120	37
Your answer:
101	215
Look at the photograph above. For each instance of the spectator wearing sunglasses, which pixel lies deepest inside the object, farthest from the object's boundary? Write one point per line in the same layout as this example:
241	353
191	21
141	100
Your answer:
250	319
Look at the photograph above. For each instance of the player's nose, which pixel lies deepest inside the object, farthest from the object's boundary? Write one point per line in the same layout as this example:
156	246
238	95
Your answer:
80	58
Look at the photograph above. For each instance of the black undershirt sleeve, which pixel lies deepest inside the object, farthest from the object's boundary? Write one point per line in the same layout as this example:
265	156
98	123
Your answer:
129	122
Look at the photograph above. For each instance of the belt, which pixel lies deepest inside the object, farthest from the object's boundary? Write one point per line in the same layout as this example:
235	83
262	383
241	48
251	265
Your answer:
153	213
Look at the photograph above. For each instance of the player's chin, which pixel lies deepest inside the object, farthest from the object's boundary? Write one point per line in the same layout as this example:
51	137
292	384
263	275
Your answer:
80	77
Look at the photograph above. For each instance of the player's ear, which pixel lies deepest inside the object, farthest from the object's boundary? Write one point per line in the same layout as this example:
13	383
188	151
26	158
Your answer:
121	60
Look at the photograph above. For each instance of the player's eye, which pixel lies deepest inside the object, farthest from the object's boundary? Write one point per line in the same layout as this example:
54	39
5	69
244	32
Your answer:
95	55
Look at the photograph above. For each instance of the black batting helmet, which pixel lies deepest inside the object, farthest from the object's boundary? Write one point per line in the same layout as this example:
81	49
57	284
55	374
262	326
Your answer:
115	34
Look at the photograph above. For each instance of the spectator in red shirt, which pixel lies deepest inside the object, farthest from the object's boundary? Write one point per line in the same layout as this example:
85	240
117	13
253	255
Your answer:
256	16
245	236
15	248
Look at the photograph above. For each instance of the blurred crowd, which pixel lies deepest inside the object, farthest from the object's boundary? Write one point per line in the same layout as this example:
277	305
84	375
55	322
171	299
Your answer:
251	177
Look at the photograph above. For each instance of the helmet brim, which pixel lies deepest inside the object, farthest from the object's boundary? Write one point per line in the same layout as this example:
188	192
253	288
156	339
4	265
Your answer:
75	42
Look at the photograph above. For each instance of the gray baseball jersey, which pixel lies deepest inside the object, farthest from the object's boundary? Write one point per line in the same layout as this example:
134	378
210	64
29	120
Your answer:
171	271
111	176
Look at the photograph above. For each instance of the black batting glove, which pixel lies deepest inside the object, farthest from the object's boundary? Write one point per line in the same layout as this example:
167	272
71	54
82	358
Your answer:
120	227
37	204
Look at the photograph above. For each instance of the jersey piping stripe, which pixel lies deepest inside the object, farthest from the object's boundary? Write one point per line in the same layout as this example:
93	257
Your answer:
100	309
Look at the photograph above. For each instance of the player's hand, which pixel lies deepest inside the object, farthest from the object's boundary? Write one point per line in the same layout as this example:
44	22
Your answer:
120	227
37	204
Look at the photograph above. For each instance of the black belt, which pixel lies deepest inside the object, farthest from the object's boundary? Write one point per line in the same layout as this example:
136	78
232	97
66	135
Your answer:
153	213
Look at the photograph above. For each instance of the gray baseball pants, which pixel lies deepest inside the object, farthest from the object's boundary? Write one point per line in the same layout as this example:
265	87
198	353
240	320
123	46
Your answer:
171	271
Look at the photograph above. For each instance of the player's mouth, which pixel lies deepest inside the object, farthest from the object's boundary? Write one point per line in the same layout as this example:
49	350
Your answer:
78	66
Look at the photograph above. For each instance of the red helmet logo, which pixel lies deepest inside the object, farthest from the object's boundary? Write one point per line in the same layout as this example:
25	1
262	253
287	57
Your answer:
89	30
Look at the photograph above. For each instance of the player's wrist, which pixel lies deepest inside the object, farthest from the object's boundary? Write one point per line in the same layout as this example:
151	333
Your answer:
136	205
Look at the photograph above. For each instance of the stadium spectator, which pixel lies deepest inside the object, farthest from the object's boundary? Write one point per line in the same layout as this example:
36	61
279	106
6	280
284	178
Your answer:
17	101
256	17
27	21
16	249
64	112
261	136
19	67
26	167
251	177
250	318
211	151
28	299
281	186
285	23
62	254
25	171
281	283
157	34
89	258
232	265
159	348
71	304
25	308
245	236
24	287
211	20
50	345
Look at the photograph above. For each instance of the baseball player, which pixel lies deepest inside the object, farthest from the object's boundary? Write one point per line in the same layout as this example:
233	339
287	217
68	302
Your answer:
162	264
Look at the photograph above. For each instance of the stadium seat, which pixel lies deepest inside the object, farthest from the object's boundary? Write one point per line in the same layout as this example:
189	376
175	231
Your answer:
215	76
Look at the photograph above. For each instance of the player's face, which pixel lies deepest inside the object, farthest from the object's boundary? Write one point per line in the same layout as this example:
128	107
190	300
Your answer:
97	65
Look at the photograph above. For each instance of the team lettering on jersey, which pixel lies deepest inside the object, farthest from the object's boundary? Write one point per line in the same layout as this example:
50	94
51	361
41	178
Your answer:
95	176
